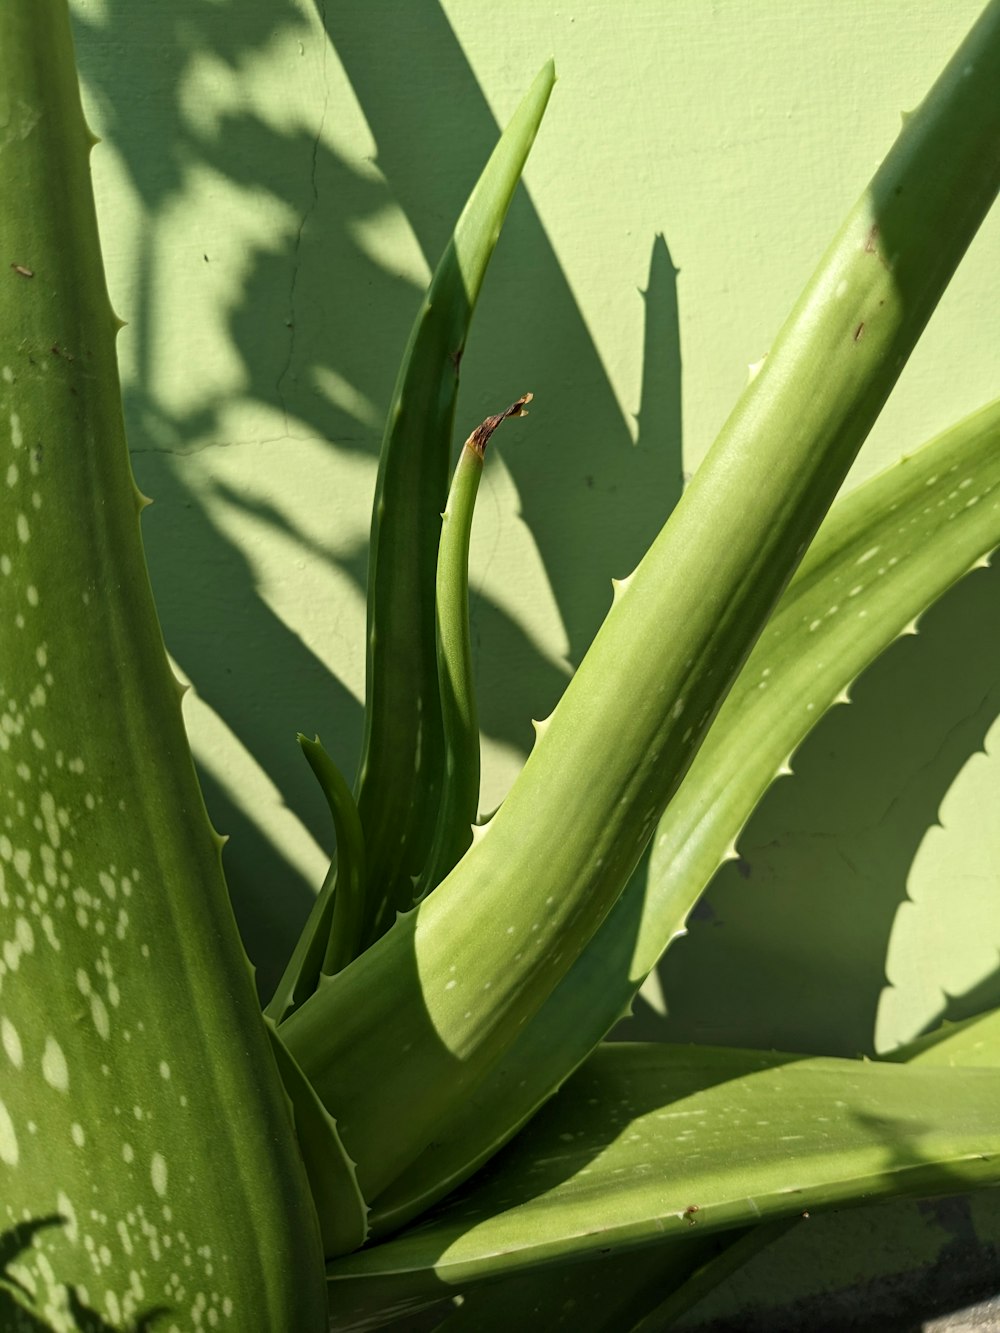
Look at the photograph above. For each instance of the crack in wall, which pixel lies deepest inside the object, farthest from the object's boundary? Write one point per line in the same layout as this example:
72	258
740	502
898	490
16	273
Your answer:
310	210
243	442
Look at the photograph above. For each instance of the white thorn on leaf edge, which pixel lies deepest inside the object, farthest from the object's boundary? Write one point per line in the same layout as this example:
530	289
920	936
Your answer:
754	369
619	587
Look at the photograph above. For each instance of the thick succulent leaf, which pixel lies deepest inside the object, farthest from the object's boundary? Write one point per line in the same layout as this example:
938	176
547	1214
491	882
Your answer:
974	1042
663	1282
736	1248
651	1143
459	805
403	759
343	1216
329	938
421	1018
927	520
144	1134
894	547
606	1294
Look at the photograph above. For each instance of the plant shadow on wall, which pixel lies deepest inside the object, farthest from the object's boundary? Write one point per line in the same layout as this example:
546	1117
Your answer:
321	304
317	309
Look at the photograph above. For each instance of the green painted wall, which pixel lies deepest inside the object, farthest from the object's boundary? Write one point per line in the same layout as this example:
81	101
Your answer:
277	179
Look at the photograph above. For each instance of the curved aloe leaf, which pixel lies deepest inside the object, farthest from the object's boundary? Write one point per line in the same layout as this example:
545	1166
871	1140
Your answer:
403	755
648	1144
329	939
663	1281
402	765
972	1043
975	1042
422	1017
603	1294
128	1020
460	720
343	1216
927	536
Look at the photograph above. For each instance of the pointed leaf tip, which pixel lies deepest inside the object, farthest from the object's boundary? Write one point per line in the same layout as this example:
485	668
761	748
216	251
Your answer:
480	437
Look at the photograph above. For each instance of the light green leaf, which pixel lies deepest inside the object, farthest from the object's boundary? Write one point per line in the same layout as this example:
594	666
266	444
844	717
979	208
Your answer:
652	1144
972	1043
460	791
341	1209
329	939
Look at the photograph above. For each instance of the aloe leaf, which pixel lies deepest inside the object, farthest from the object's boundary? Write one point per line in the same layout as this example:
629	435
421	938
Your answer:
974	1042
349	898
420	1019
128	1019
339	1206
649	1144
890	549
605	1294
402	767
927	536
971	1043
460	794
593	1296
329	938
737	1248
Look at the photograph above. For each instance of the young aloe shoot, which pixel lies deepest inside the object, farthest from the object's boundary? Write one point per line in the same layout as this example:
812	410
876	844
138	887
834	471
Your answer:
460	794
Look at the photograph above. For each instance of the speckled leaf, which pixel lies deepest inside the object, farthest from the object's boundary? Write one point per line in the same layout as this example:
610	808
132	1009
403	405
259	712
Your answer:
148	1166
649	1143
975	1042
644	1289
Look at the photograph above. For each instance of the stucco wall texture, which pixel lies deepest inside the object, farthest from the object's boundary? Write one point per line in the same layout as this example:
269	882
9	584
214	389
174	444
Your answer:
276	181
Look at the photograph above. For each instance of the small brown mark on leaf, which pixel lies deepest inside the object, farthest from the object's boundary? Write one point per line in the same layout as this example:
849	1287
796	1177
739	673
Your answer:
455	358
805	1214
859	332
871	244
56	350
689	1214
22	271
480	437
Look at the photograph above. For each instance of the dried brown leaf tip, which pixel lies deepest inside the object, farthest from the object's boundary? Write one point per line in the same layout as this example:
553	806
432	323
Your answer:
480	437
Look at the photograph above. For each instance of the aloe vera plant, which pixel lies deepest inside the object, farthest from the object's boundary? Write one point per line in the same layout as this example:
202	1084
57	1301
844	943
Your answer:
170	1157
